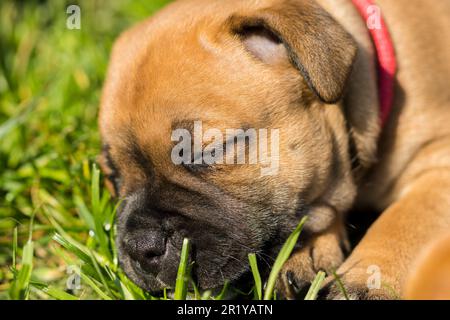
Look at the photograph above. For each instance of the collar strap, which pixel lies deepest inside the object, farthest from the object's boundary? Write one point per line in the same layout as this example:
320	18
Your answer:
387	63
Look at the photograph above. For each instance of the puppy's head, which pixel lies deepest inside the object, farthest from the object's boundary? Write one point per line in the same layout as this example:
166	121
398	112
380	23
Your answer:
273	65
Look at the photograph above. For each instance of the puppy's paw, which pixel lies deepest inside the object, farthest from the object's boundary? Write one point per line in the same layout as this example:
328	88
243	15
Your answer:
356	291
358	284
323	253
296	275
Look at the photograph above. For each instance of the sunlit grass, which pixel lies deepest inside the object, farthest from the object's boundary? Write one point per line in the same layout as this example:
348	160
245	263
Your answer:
50	83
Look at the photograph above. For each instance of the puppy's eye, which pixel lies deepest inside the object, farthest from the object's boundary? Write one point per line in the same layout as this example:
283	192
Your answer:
198	164
198	168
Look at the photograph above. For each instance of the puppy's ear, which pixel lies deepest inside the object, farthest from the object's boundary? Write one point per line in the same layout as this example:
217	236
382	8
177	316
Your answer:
307	36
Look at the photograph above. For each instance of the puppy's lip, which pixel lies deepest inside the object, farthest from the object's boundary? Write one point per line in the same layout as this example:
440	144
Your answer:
143	269
141	277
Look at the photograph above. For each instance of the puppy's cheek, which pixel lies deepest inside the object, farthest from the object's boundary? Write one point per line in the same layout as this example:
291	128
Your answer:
213	267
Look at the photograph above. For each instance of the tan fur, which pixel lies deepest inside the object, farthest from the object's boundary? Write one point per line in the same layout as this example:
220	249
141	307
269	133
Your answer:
430	277
175	68
411	179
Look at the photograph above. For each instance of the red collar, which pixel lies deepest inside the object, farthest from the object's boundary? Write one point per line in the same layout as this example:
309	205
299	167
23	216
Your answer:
387	63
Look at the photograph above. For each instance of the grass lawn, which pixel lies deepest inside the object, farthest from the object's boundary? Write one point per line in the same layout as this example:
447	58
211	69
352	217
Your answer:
56	219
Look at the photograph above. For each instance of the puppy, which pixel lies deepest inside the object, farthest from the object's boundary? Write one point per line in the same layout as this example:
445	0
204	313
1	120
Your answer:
306	68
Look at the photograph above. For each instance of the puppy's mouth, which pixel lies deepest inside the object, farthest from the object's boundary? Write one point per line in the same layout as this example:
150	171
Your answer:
142	276
153	271
209	271
150	241
146	269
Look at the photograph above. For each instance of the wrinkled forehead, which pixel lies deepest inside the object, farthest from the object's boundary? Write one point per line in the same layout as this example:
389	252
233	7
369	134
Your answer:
164	67
184	63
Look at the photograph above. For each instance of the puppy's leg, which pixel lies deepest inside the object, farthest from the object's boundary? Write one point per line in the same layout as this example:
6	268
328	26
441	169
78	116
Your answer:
430	278
379	265
323	252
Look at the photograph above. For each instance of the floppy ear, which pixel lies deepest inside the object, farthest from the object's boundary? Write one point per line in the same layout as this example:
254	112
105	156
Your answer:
305	34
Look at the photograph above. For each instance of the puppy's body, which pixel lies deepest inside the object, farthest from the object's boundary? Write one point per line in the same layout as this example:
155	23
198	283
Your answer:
421	109
280	64
410	180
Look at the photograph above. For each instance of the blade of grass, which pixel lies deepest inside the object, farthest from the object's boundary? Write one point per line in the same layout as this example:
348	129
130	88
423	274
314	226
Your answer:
340	285
58	294
283	256
137	292
126	294
256	275
197	295
224	291
182	276
20	286
14	252
206	295
98	214
72	247
100	274
80	252
315	286
84	213
95	189
94	286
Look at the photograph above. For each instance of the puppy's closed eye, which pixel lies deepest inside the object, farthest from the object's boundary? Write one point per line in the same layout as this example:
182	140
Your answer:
198	168
198	164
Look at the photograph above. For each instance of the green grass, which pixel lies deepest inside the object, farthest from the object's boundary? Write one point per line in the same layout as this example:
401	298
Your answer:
181	286
283	256
315	286
56	220
256	276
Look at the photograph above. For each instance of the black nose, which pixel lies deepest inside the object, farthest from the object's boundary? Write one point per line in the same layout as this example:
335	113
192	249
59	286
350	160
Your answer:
146	249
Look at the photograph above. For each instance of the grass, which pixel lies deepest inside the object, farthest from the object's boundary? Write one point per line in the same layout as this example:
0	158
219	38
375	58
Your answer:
56	220
315	286
256	276
283	256
181	286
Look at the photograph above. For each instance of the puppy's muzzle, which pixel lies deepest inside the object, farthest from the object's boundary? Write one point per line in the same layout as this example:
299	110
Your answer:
148	242
151	229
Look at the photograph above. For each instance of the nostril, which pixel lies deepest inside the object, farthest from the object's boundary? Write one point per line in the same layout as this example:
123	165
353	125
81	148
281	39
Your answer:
146	249
152	254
